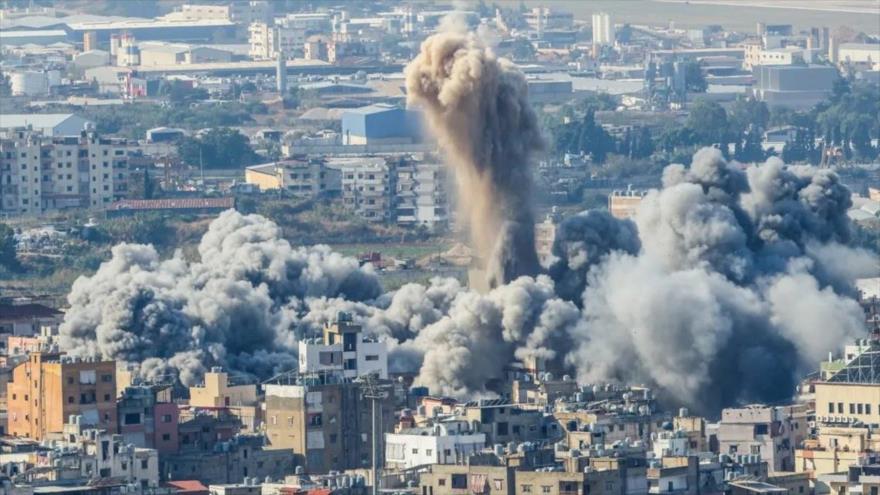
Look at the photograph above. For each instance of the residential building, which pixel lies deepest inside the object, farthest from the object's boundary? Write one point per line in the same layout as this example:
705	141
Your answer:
625	204
216	392
41	174
101	454
422	197
228	461
301	178
346	349
27	319
324	420
47	389
542	19
674	475
368	186
771	432
155	53
149	418
444	442
503	422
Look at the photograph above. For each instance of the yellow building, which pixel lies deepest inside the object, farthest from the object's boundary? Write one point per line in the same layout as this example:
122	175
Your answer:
267	177
241	400
846	403
48	388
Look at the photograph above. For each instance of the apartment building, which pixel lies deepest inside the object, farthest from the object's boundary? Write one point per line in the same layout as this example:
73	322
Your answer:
301	178
324	420
41	174
217	392
368	187
106	455
48	388
770	432
422	197
345	349
445	442
286	35
149	418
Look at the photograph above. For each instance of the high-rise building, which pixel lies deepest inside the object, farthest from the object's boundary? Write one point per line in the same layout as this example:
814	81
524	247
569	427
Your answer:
47	389
603	29
41	174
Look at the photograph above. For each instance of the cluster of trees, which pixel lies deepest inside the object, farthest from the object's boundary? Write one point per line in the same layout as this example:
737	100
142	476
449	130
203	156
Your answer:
8	257
220	147
133	121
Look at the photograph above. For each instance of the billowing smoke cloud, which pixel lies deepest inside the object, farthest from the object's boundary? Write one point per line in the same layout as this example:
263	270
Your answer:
236	307
741	284
477	106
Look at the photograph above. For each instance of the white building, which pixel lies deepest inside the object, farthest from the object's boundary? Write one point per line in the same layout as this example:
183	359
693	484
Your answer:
421	194
447	442
603	29
368	188
670	444
286	34
344	348
860	53
105	455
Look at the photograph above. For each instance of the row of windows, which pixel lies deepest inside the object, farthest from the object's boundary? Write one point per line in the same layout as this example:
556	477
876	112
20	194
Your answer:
854	408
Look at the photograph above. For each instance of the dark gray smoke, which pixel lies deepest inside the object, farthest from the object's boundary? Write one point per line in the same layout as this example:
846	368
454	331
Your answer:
728	300
477	106
236	307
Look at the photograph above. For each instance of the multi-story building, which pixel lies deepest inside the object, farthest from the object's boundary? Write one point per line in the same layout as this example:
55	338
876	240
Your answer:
345	349
444	442
47	389
771	432
41	174
625	204
368	187
301	178
216	392
105	455
325	420
422	197
286	35
149	418
503	422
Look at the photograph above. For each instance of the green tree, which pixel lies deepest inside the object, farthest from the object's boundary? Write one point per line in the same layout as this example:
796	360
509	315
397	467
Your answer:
693	77
218	148
708	121
8	257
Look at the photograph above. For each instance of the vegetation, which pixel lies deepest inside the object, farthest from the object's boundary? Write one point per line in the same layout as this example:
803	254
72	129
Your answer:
8	259
219	147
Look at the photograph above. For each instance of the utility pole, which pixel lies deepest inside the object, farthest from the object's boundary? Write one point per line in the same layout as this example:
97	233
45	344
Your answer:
375	392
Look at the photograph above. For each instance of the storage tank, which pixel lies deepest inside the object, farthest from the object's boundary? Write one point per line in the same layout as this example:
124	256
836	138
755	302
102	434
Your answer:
29	83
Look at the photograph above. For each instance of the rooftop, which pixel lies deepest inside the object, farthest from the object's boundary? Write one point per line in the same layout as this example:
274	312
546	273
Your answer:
864	369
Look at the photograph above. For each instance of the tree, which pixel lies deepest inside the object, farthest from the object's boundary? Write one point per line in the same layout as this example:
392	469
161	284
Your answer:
8	256
218	148
693	77
522	49
708	121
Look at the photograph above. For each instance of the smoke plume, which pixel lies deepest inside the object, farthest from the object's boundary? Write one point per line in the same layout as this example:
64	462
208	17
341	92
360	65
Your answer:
477	106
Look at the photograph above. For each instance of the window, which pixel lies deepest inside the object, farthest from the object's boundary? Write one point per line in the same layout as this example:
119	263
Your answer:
459	481
428	452
732	449
860	408
867	408
761	429
132	418
106	397
840	408
166	418
107	378
526	489
852	408
441	482
545	488
830	408
70	399
755	450
144	463
372	357
166	436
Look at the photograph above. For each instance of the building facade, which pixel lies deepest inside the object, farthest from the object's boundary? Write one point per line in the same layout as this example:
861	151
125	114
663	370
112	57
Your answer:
47	389
42	174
